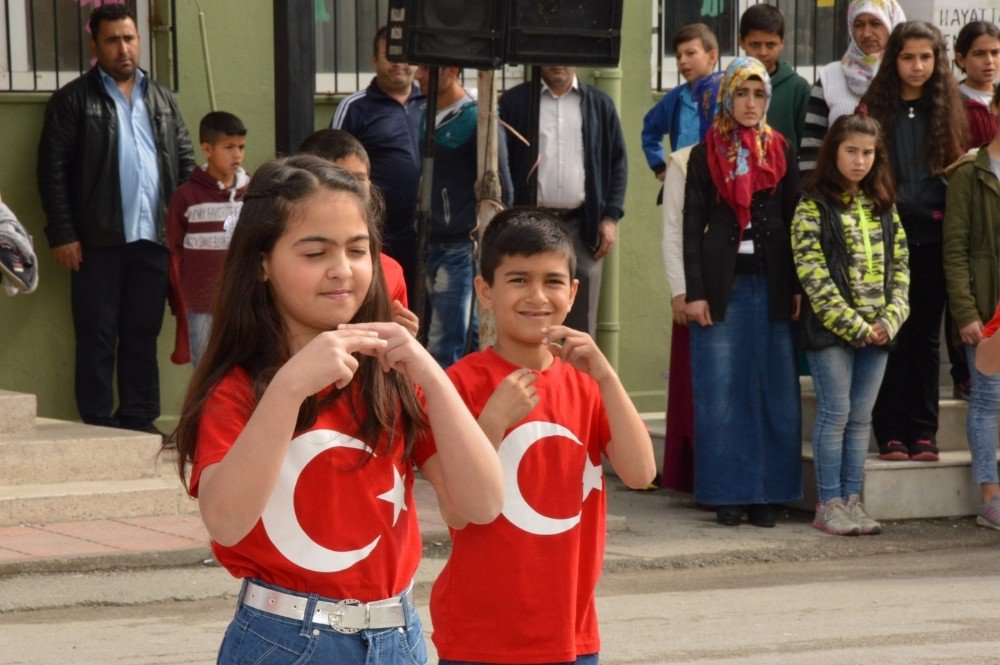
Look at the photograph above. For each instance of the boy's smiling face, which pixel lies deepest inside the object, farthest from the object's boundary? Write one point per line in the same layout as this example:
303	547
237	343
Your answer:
528	294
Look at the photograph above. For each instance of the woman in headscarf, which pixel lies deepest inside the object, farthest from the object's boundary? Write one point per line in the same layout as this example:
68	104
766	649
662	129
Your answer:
841	84
741	191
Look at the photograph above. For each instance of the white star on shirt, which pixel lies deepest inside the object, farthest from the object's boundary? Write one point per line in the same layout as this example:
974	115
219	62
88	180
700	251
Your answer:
592	476
396	496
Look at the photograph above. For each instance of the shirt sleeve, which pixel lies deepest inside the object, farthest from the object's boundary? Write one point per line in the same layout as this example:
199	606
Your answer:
898	298
673	227
226	412
814	130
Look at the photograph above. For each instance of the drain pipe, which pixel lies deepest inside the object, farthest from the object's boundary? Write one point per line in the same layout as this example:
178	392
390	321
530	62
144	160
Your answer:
204	50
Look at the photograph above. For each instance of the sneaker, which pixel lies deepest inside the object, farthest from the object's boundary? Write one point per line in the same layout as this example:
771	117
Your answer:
989	514
763	514
893	450
924	450
14	268
729	515
856	511
832	518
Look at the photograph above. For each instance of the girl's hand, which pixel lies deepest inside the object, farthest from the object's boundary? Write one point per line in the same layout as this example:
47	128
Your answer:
796	306
513	399
879	335
579	350
405	318
328	359
971	334
679	308
698	311
402	352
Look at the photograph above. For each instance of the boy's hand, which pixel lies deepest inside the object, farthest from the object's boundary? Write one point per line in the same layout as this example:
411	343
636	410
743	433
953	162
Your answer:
513	399
405	318
971	334
579	350
679	308
699	312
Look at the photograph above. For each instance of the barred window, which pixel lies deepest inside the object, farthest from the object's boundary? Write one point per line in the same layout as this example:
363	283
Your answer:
45	43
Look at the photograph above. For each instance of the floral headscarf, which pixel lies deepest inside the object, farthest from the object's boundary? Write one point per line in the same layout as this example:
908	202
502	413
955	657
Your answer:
706	93
743	160
860	68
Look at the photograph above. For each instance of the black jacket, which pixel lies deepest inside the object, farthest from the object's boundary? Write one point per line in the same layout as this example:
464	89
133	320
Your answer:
811	332
78	175
605	165
712	238
920	195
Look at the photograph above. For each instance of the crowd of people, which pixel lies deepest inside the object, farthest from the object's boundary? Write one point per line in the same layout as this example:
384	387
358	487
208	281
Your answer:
841	219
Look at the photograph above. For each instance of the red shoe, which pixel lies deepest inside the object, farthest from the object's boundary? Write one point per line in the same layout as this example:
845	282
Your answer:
924	450
893	450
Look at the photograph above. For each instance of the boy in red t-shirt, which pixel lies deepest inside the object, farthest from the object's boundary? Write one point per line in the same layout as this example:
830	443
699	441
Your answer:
195	218
521	589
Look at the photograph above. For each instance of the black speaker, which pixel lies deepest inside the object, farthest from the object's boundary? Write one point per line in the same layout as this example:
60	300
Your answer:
455	33
565	32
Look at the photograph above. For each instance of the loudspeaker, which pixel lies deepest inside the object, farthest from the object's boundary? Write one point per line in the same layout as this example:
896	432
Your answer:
452	33
565	32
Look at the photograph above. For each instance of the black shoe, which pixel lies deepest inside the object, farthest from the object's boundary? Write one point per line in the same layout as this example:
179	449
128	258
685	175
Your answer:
763	514
924	450
729	515
149	428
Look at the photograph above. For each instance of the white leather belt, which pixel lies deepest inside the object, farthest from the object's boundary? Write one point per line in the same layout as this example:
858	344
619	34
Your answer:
345	616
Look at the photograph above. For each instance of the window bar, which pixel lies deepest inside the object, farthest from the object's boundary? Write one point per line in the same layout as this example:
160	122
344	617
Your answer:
31	33
55	37
10	61
79	38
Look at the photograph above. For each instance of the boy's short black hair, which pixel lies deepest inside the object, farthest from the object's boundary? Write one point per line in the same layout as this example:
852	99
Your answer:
108	12
766	18
218	124
334	144
697	31
523	231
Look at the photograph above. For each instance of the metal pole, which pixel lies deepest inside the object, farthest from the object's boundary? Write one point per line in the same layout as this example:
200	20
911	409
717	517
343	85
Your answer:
424	202
204	50
608	318
294	73
535	106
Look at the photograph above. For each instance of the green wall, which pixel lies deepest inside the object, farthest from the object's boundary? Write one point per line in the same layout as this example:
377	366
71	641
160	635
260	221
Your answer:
36	339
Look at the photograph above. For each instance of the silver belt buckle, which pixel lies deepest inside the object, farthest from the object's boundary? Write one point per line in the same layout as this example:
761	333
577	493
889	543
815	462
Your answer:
337	616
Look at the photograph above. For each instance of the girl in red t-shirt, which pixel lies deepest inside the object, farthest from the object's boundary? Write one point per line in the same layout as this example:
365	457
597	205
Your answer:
302	425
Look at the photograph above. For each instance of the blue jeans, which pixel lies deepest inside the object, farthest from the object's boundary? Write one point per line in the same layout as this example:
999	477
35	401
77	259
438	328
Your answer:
261	638
981	422
199	327
450	272
590	659
847	381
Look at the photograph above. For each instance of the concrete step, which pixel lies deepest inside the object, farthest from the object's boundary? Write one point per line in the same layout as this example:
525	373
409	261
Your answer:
92	500
58	451
908	490
951	421
17	412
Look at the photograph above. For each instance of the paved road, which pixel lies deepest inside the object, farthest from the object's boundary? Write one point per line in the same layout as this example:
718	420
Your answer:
936	607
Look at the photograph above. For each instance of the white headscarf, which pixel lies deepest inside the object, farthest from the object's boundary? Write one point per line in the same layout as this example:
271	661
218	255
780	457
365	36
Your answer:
860	68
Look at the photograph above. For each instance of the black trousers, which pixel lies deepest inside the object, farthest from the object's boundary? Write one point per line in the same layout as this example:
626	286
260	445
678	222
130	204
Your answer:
118	298
907	404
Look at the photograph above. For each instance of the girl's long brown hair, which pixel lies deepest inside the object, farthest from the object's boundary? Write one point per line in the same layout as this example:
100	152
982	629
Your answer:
828	183
947	122
248	332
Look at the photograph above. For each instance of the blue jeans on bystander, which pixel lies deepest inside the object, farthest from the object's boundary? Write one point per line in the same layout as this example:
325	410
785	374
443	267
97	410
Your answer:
981	422
450	273
199	328
847	382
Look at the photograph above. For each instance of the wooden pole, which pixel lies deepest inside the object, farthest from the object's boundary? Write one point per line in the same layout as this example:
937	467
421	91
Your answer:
488	189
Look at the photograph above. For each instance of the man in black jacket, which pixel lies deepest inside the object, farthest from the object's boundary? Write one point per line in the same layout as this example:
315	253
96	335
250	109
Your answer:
113	149
582	172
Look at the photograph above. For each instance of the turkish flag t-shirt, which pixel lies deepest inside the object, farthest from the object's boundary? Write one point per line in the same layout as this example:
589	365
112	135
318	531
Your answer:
993	325
521	589
340	521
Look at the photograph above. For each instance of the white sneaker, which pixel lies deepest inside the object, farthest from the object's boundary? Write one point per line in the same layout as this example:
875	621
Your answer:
856	511
832	518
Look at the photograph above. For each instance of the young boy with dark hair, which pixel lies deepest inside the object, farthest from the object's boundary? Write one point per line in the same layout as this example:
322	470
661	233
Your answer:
347	152
762	36
521	589
676	114
195	218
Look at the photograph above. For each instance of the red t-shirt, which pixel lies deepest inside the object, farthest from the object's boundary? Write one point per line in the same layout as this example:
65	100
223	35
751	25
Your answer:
521	589
331	527
394	281
993	325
